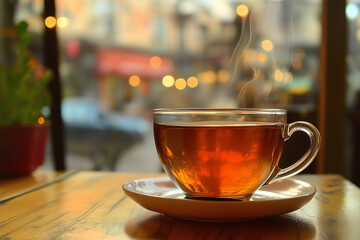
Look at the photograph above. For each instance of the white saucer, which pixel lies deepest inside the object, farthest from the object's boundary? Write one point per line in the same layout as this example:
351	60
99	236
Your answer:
161	195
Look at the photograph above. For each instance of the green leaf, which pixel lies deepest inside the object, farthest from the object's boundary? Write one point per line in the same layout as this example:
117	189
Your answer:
24	43
21	28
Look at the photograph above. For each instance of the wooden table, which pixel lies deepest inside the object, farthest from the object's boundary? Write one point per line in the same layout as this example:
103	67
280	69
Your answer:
92	205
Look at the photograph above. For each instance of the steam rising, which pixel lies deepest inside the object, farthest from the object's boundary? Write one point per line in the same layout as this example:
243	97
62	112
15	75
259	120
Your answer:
258	81
245	38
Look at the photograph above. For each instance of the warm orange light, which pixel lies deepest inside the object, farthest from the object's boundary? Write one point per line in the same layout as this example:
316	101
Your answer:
261	57
134	81
260	74
50	22
192	82
242	10
155	61
223	76
63	22
41	120
168	81
207	77
267	45
180	83
278	75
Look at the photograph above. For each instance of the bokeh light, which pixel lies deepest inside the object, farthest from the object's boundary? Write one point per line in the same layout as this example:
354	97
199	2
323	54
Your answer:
261	57
155	61
168	81
63	22
223	76
50	22
134	81
180	84
192	82
242	10
267	45
352	11
278	75
207	77
41	120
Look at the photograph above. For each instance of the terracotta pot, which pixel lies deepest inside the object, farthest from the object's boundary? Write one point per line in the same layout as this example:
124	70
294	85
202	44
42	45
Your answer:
22	148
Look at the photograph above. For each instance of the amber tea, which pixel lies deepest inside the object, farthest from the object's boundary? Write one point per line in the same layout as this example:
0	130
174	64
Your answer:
217	159
227	153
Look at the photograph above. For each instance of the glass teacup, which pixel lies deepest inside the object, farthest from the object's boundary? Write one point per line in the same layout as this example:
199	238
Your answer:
227	153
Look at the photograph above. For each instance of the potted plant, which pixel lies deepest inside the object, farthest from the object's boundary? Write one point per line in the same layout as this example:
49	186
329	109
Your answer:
23	95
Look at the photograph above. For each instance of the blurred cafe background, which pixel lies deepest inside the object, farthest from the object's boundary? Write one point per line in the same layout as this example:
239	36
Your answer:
119	59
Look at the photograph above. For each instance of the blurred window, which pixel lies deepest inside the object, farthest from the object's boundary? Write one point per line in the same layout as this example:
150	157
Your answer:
120	59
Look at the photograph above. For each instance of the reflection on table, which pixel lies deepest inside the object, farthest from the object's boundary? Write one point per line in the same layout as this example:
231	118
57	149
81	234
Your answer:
155	226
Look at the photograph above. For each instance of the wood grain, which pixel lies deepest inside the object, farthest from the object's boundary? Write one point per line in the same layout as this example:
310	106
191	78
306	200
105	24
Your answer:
11	187
92	205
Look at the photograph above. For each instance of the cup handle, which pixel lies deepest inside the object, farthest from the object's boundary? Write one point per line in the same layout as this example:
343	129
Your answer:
306	159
